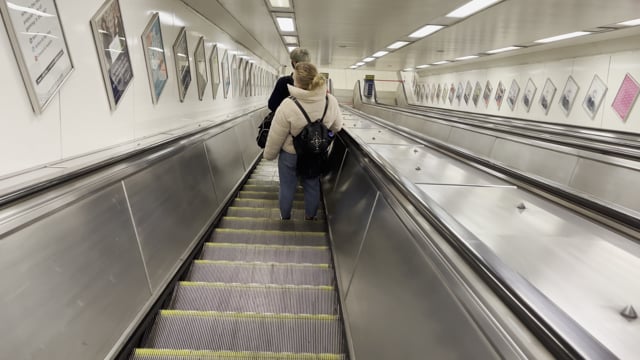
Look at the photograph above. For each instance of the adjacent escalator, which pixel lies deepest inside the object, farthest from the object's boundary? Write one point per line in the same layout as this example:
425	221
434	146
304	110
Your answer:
263	288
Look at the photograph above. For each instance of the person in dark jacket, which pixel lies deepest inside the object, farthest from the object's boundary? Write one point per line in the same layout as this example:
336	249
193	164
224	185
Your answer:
281	92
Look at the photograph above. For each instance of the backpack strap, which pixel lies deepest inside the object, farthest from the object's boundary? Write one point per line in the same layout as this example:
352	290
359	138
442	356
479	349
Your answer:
306	116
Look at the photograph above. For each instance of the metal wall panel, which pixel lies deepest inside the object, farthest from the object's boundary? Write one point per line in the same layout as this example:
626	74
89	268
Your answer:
398	305
380	136
436	130
336	159
72	282
550	164
225	159
350	208
606	181
171	203
247	132
477	143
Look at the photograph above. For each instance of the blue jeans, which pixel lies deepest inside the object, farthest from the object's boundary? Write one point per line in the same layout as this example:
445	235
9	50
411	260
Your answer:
288	184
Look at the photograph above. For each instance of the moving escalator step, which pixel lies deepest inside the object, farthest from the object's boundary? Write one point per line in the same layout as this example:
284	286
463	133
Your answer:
272	182
270	224
273	237
267	195
266	253
168	354
266	188
258	298
261	203
280	333
271	213
260	273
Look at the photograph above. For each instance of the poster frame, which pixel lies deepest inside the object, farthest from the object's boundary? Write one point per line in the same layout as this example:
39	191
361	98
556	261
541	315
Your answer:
183	80
147	48
202	77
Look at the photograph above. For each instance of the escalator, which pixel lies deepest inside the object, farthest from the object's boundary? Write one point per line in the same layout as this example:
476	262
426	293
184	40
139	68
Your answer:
262	288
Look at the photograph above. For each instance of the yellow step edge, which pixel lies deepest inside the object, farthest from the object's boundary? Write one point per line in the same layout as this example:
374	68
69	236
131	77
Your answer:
257	286
239	315
257	263
263	246
267	200
224	355
241	218
247	208
271	232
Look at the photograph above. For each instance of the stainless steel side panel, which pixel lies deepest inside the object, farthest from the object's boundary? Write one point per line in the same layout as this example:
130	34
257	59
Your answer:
420	164
550	164
479	144
71	283
380	136
225	159
605	181
398	305
589	272
246	132
350	206
171	203
359	124
436	130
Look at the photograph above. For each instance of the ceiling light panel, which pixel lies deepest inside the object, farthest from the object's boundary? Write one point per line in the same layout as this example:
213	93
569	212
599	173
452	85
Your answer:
290	48
360	63
505	49
408	69
397	44
563	37
353	66
286	24
280	3
635	22
422	66
380	53
471	8
290	39
368	59
425	30
441	62
467	57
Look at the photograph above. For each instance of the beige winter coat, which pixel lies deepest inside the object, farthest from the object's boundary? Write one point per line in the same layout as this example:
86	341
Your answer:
288	119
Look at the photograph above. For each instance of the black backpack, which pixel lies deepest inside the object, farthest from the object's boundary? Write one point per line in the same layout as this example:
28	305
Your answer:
312	144
263	130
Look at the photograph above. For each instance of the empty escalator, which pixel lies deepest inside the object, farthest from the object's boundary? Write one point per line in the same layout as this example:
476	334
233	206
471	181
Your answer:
263	288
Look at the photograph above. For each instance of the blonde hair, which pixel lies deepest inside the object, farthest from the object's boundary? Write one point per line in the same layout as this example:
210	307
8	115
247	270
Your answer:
307	76
299	55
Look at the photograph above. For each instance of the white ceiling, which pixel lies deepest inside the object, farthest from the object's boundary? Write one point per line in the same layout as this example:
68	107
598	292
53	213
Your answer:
339	33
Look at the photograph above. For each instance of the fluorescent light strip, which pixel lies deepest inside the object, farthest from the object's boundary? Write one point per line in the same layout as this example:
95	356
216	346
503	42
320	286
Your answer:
368	59
563	37
471	8
397	44
360	63
635	22
290	48
425	30
408	69
280	3
422	66
380	53
286	24
353	66
509	48
441	62
467	57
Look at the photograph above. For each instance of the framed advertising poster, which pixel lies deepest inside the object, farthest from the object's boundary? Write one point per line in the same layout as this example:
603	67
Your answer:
546	98
200	61
113	53
459	92
514	91
234	76
40	47
568	95
438	92
153	49
476	93
215	71
500	94
467	92
433	93
183	68
626	97
529	94
486	96
594	97
452	92
226	80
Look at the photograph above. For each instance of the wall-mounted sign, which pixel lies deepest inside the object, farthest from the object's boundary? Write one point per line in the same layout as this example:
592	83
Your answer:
113	53
40	47
181	59
215	71
201	68
568	96
153	48
626	97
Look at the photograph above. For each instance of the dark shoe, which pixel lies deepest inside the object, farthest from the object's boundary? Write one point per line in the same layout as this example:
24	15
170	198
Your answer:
288	218
310	218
